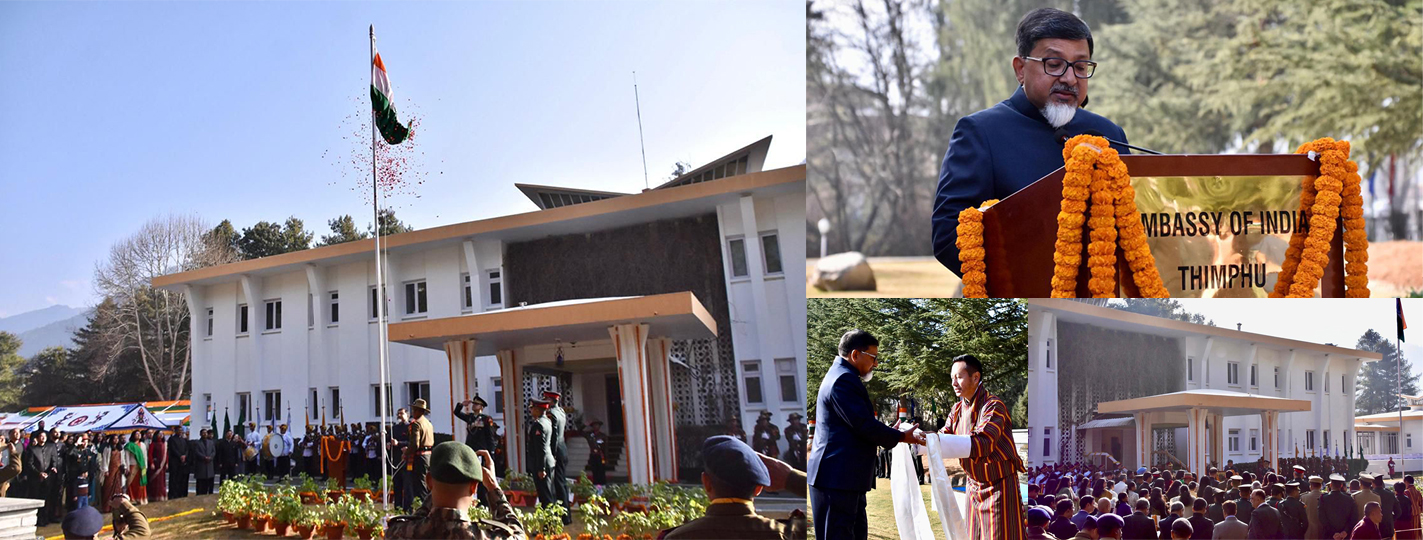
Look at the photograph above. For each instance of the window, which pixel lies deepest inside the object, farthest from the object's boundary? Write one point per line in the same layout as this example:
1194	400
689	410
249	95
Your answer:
374	305
771	252
274	405
1326	440
1049	354
1232	373
737	248
1309	381
1326	390
1309	439
498	385
415	298
1409	440
310	310
335	400
417	390
1277	376
1254	375
1344	384
241	319
312	404
1254	438
335	307
207	399
244	405
1390	441
209	334
468	303
1047	442
495	298
274	315
752	371
1234	440
785	371
375	401
1190	368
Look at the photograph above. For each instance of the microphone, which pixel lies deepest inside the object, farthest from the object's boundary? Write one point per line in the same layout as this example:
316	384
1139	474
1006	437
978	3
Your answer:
1062	137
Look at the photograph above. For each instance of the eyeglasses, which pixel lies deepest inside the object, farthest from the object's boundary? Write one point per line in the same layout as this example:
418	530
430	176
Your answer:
1057	66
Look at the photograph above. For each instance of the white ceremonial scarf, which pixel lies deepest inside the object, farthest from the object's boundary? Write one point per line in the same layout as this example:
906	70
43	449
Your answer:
909	512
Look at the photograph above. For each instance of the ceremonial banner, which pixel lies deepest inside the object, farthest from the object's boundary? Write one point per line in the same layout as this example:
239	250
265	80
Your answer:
138	417
86	418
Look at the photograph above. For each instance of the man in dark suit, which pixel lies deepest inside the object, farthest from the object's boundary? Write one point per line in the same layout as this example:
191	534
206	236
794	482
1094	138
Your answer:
1244	506
1138	526
1337	511
1201	526
995	152
1387	504
1265	521
841	465
1164	527
1293	514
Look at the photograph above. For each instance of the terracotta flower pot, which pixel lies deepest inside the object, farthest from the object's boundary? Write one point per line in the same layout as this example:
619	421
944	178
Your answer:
244	522
334	495
259	523
366	532
310	497
334	531
282	528
306	532
361	494
229	517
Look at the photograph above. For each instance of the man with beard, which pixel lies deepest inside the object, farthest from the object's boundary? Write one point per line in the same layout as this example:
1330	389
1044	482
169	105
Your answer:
1000	150
842	460
204	456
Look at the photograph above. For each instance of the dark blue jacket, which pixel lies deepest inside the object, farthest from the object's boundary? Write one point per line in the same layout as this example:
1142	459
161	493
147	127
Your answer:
995	152
846	433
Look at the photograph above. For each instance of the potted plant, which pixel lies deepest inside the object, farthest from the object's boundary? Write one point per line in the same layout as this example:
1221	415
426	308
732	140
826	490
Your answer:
309	491
593	513
618	495
334	530
306	523
287	508
364	518
520	489
479	513
583	488
334	489
362	491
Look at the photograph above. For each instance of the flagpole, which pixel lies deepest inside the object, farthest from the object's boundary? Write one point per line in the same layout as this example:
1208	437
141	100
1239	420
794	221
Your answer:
380	297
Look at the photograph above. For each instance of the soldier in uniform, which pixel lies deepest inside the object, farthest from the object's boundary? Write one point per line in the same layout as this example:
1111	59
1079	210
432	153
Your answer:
454	472
539	449
597	458
417	458
559	479
129	521
1337	511
399	437
480	429
735	475
795	441
765	437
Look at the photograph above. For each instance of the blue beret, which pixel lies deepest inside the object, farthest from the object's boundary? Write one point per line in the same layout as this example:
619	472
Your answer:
1089	523
1109	523
84	522
1038	515
734	462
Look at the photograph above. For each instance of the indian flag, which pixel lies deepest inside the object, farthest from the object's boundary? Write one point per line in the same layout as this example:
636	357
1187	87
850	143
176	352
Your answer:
382	106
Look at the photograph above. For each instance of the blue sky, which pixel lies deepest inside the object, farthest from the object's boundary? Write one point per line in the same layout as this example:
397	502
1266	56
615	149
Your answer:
120	112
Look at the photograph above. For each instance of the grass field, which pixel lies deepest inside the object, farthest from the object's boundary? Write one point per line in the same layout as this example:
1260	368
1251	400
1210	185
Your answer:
897	277
879	512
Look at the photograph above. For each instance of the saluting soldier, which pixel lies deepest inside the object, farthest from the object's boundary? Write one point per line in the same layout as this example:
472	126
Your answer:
597	457
417	464
734	476
480	429
559	479
539	449
455	471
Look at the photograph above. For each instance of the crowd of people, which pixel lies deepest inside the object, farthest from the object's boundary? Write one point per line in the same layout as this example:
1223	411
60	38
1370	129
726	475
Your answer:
1250	501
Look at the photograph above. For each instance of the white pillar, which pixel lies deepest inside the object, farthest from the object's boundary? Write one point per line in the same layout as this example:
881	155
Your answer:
316	347
1196	428
629	340
511	377
197	349
256	317
664	439
1144	442
476	298
459	353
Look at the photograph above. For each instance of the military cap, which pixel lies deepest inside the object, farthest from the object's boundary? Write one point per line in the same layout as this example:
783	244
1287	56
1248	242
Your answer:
539	402
1089	523
794	416
596	423
1299	468
1039	516
480	401
1366	477
1336	477
1237	477
454	462
84	522
1110	523
420	404
732	461
552	395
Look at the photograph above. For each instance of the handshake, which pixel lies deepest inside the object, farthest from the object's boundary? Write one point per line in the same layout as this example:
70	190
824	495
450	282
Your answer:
911	434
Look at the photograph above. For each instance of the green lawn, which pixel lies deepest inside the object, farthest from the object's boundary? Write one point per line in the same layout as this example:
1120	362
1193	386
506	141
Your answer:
879	511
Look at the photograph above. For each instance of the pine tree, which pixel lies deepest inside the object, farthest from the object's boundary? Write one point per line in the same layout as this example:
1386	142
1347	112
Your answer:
1377	390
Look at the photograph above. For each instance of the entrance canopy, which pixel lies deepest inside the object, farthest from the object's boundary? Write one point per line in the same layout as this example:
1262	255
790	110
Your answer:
674	315
1204	411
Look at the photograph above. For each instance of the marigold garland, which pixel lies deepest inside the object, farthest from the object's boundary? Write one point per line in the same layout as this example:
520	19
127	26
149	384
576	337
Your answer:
970	244
1323	199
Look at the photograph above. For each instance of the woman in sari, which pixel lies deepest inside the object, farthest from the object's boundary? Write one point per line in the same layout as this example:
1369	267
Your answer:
114	478
158	469
136	462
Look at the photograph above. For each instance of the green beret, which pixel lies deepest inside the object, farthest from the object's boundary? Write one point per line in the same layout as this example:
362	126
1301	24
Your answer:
454	462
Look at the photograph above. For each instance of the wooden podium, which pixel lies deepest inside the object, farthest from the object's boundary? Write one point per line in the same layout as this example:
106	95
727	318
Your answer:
1020	231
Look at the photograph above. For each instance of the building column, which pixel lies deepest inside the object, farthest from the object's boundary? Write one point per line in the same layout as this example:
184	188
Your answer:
664	438
197	330
476	299
460	354
1269	428
1196	428
630	341
256	319
1144	442
511	378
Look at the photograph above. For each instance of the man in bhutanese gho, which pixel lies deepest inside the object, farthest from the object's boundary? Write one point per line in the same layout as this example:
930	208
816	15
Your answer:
995	152
455	470
558	481
992	464
734	475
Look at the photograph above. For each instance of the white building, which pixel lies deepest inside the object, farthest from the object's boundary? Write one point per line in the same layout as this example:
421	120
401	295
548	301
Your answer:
1145	389
682	305
1378	437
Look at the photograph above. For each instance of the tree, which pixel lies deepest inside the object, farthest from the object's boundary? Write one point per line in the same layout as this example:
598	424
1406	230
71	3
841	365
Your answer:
54	377
267	238
110	370
1166	308
12	376
223	238
389	224
154	322
343	229
1377	390
919	339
